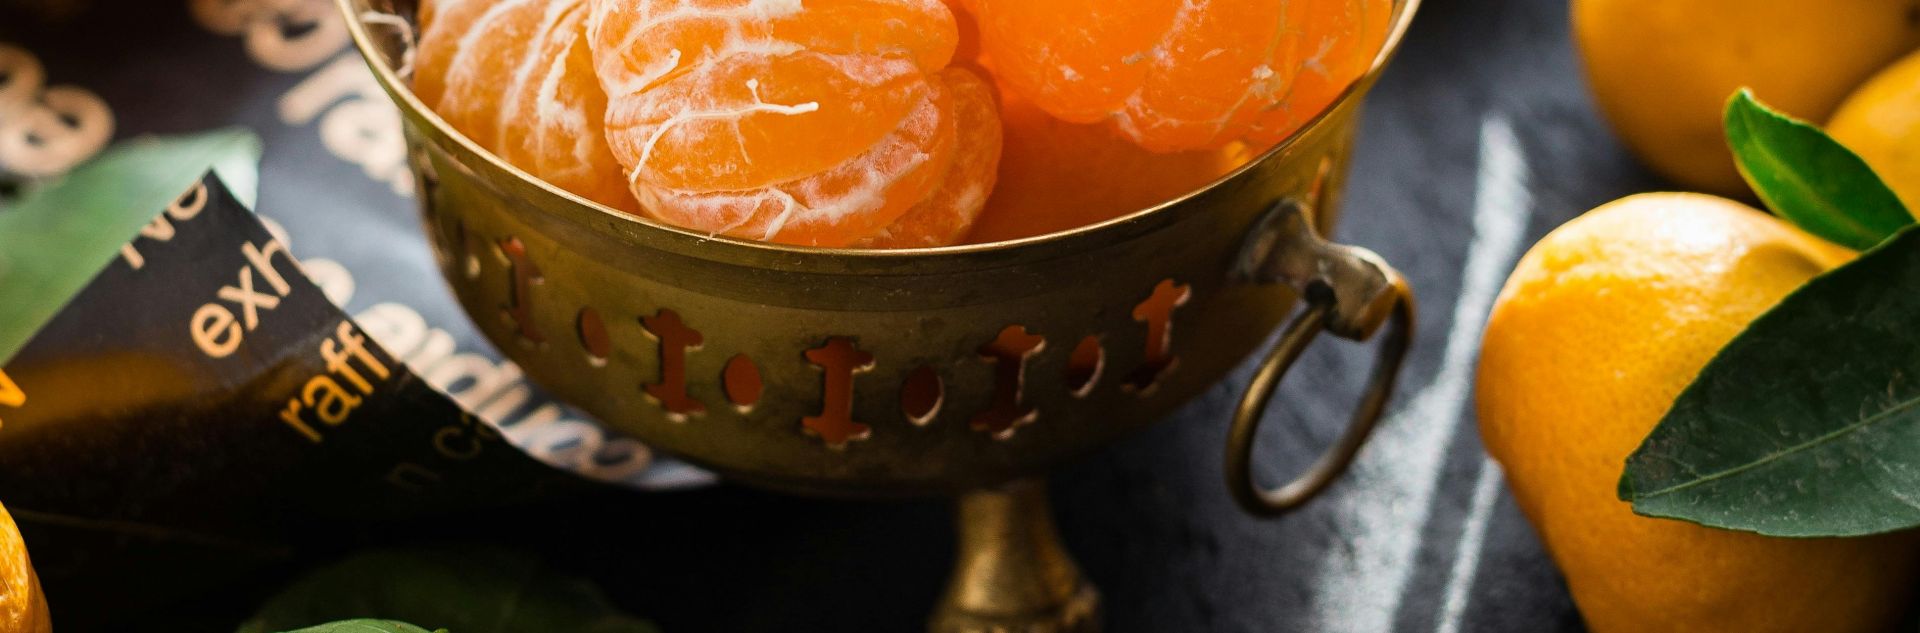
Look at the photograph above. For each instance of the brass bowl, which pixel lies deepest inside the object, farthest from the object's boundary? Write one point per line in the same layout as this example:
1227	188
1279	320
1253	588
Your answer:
943	370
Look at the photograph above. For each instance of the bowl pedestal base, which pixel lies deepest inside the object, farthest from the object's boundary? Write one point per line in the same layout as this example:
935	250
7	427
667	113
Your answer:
1011	574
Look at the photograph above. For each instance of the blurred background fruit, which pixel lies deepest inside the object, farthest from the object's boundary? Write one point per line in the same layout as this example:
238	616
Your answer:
1881	123
1661	71
23	609
1598	329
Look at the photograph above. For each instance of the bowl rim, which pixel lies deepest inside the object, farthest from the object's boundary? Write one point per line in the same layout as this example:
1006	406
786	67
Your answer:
729	249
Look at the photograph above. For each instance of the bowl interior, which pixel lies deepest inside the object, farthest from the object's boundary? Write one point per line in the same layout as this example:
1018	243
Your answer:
1033	350
385	31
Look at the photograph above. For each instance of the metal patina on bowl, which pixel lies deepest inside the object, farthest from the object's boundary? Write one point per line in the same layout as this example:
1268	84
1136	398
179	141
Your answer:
965	370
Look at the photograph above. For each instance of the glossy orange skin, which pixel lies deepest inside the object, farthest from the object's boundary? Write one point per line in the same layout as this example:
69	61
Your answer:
23	607
1596	332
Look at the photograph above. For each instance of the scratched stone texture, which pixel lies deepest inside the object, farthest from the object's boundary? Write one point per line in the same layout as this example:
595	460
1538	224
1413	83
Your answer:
1478	140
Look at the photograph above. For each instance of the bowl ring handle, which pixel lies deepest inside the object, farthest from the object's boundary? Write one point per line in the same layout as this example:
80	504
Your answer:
1348	291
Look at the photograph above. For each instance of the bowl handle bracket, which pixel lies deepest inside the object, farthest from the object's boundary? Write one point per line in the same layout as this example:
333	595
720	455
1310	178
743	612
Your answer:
1348	291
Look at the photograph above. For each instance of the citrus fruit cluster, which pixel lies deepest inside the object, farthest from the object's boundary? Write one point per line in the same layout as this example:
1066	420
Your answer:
1612	315
1665	100
1600	327
885	123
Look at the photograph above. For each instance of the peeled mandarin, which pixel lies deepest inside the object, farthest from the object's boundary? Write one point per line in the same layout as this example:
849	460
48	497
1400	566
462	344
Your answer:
966	52
517	78
443	23
946	216
1056	176
744	122
1333	62
1173	76
836	207
817	124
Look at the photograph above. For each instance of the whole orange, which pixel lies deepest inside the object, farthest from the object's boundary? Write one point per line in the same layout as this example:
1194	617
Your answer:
23	608
1881	123
1662	70
1598	329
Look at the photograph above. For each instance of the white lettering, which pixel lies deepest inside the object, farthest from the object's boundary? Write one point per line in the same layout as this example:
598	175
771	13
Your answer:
398	328
214	331
46	130
187	207
496	392
332	278
363	129
283	35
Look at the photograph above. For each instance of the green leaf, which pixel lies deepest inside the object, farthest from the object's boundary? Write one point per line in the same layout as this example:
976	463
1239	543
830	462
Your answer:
1810	179
461	589
1807	423
59	235
366	626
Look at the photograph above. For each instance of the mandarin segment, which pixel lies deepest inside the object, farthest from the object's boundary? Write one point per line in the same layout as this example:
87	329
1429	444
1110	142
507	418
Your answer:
516	77
922	30
570	113
443	23
746	122
647	41
947	215
852	200
1330	63
1080	59
817	124
494	48
1174	75
1191	99
1056	176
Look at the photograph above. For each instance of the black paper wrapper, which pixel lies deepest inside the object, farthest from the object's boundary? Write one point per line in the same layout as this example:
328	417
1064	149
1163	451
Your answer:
201	409
333	185
207	414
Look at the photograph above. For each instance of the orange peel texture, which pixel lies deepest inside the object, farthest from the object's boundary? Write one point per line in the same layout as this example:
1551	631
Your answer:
947	215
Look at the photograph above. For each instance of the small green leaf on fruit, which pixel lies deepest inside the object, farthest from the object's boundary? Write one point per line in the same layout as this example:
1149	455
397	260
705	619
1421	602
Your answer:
1810	179
1808	423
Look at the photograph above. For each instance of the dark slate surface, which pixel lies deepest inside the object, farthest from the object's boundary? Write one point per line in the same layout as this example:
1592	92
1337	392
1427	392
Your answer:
1478	140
